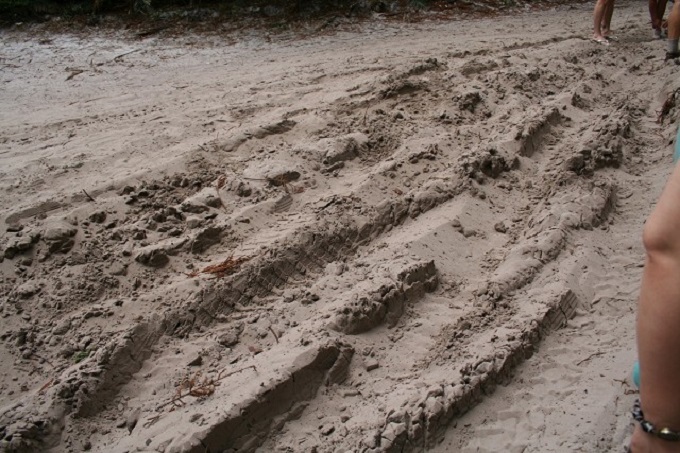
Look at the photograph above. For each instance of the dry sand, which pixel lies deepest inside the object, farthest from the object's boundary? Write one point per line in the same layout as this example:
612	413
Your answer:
399	238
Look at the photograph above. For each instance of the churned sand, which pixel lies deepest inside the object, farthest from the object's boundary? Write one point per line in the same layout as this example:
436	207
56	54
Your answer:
399	237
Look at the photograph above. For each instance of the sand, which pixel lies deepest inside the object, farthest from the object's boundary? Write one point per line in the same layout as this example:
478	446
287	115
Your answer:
387	237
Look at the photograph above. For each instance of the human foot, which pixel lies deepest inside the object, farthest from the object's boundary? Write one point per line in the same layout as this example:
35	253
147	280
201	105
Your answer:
600	40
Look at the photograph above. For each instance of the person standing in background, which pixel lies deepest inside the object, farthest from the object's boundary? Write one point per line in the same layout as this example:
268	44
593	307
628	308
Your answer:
657	9
673	32
602	19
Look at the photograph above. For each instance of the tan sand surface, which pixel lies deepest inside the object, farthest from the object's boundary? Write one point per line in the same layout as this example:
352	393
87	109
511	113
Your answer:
390	237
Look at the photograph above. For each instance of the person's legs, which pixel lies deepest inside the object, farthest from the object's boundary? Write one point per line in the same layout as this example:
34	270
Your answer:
654	14
661	10
598	17
658	321
657	9
606	26
673	31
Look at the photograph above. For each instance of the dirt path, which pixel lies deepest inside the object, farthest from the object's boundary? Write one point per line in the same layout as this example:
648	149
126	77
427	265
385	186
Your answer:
413	237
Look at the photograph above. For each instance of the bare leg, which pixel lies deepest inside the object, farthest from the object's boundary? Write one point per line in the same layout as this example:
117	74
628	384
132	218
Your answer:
673	31
661	10
653	13
607	18
674	22
598	17
654	8
658	322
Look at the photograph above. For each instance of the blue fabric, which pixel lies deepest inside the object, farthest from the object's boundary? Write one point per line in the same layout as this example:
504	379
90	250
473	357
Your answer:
636	374
676	154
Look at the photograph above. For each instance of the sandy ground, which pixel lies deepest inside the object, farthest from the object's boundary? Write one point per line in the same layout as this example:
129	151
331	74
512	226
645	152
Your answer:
406	237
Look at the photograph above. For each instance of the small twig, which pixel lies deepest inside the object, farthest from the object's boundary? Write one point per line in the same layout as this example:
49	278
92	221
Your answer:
173	401
274	333
622	382
88	196
123	54
222	376
203	389
590	357
46	385
33	354
74	72
152	421
85	102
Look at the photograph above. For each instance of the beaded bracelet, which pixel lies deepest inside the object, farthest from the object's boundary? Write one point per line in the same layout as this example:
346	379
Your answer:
663	433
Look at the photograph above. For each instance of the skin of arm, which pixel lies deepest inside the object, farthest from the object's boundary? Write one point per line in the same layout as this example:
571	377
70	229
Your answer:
658	322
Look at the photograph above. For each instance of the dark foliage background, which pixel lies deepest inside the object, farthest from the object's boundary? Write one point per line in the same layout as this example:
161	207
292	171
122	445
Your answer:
149	17
12	10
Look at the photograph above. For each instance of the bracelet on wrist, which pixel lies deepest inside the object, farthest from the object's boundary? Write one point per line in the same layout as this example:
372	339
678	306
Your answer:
662	433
